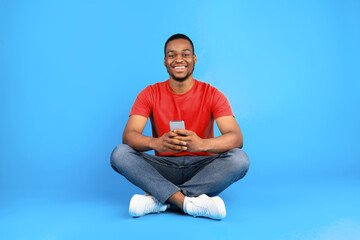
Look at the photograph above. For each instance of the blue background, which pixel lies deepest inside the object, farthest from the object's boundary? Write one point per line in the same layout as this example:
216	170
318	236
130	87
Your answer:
71	70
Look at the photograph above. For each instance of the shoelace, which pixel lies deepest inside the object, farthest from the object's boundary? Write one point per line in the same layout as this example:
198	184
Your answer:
150	206
201	209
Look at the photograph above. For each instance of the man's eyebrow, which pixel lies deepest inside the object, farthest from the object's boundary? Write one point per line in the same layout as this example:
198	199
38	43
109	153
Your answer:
184	50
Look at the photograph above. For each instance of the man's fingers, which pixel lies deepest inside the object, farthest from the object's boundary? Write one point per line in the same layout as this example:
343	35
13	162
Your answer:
182	132
171	142
178	142
175	141
183	138
172	134
176	147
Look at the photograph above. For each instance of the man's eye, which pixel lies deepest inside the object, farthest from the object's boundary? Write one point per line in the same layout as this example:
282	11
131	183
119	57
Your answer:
186	55
171	56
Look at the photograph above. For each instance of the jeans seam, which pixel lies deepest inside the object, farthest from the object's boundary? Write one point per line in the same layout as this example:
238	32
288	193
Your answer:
171	165
182	169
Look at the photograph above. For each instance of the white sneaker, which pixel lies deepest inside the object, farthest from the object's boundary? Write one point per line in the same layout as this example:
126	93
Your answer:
144	204
204	206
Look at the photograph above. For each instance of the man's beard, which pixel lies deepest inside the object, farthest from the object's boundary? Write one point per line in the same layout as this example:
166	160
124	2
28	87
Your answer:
180	79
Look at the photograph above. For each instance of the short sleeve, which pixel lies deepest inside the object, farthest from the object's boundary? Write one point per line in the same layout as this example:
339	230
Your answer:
143	103
220	105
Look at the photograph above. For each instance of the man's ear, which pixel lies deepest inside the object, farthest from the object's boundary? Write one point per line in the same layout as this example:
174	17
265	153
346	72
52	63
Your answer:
165	61
195	60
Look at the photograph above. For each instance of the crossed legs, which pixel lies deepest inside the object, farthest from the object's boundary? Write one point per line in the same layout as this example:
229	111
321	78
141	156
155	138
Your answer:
172	179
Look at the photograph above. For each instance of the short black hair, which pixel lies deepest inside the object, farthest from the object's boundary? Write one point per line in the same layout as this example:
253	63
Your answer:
179	36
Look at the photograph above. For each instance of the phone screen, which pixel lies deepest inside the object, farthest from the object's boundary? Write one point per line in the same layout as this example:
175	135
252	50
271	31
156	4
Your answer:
177	125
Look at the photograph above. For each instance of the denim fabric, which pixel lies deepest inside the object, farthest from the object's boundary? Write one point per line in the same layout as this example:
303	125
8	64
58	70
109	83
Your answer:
192	175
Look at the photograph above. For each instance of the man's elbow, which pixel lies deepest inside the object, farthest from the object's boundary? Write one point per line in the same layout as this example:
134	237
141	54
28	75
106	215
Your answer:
236	140
240	142
125	138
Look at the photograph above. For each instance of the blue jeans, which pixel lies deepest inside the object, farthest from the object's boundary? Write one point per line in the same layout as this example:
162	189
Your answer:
192	175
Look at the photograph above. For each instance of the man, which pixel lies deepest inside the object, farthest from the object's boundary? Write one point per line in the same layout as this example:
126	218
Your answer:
190	167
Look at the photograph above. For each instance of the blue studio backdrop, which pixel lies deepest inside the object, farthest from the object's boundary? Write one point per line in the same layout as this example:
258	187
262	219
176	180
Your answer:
71	70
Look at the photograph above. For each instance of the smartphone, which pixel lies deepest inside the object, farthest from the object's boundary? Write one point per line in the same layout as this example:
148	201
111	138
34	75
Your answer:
177	125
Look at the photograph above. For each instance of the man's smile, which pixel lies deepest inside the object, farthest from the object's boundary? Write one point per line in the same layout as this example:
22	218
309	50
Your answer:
179	68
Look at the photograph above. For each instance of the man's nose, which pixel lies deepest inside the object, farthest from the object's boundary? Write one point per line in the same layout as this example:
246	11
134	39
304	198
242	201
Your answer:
179	58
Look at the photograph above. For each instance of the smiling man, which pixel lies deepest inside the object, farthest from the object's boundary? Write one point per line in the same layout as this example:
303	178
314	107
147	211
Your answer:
191	166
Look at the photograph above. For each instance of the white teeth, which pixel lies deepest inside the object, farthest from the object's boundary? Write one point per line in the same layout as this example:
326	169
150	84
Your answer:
179	67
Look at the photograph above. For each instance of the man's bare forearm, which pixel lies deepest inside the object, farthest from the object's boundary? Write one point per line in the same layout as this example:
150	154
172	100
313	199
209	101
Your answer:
219	144
223	143
138	141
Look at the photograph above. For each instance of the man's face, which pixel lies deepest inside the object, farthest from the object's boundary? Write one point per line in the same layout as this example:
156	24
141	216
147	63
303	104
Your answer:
179	59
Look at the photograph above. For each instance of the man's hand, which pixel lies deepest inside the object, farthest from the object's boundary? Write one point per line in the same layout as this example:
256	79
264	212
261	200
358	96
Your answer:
169	142
193	142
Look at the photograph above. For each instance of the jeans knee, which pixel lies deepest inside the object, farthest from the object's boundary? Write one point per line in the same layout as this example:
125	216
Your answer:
119	156
239	161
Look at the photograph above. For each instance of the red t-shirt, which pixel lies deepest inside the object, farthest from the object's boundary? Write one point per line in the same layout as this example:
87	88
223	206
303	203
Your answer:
197	108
